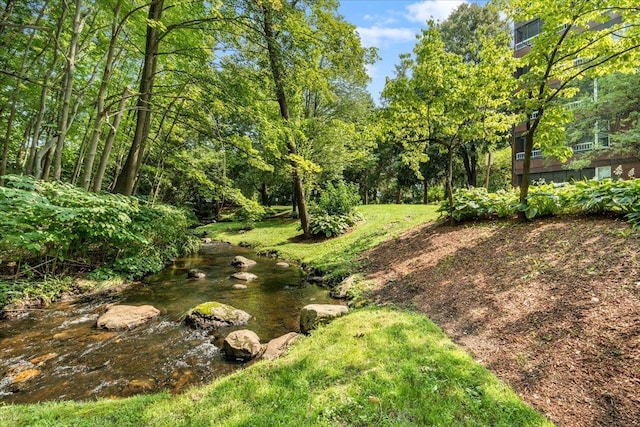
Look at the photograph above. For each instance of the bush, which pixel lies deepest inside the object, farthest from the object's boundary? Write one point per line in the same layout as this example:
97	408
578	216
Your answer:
59	227
584	197
478	203
335	210
339	200
249	213
544	200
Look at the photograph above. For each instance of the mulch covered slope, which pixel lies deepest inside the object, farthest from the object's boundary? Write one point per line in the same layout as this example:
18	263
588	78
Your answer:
551	307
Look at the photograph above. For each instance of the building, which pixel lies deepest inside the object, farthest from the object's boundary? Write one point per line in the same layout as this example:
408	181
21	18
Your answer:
602	162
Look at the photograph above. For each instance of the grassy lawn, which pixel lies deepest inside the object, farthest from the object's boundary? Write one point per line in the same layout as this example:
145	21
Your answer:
336	256
375	366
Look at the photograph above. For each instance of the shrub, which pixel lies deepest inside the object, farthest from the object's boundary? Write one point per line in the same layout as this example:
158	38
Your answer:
335	210
544	200
249	213
59	227
341	199
584	197
478	203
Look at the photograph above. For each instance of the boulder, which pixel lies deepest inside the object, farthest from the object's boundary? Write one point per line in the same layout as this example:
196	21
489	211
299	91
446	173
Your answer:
122	317
279	345
282	265
216	315
239	286
313	315
242	262
243	275
342	290
242	345
207	241
194	273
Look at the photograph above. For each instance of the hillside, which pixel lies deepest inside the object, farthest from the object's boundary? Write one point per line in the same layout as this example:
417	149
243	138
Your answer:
551	307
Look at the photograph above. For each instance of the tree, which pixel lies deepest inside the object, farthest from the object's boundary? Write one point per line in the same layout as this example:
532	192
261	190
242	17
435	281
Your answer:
577	39
613	111
447	101
461	33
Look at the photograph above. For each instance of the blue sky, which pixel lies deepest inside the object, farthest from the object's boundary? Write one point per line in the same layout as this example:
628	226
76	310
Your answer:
392	26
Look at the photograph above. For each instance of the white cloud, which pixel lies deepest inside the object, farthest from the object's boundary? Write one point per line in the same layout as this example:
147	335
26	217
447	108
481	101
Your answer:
428	9
379	36
372	71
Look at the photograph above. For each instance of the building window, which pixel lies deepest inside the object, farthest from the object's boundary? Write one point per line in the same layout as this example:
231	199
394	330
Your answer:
602	133
603	172
526	32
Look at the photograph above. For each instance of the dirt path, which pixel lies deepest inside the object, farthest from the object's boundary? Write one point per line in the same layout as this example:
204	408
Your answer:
551	307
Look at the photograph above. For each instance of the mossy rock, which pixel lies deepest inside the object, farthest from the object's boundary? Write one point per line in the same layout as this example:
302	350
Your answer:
212	314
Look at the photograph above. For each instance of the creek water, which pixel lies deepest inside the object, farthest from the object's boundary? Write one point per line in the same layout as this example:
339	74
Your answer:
58	354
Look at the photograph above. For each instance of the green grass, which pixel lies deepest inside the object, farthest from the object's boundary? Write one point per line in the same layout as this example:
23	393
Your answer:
336	256
375	366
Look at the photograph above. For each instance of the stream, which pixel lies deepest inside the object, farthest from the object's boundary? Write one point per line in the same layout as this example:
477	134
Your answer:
58	354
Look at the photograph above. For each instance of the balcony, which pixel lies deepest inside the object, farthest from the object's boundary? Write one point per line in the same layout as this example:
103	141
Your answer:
584	146
535	154
525	43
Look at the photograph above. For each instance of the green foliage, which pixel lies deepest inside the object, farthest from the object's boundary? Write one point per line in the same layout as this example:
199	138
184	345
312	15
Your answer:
249	213
336	210
607	196
58	226
543	200
478	203
338	200
333	225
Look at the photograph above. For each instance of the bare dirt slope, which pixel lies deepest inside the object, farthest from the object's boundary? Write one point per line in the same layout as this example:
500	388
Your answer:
551	307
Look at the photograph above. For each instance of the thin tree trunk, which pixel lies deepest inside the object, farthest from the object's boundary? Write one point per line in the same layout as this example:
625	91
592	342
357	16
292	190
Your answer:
15	94
425	194
489	164
108	145
277	72
83	148
63	123
127	178
450	183
100	101
526	166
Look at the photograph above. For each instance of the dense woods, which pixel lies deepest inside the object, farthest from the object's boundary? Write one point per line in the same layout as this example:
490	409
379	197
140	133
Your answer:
253	103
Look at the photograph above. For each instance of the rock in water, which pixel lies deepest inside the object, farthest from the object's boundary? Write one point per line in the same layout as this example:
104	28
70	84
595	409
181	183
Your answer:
279	345
243	275
194	273
242	345
216	315
242	262
313	315
282	265
239	286
122	317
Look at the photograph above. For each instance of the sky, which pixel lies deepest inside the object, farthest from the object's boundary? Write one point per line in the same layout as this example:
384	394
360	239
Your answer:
392	26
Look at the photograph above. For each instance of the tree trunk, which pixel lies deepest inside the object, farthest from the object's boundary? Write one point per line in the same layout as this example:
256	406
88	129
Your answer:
15	94
524	185
277	72
63	123
108	145
127	177
264	195
526	165
470	161
102	94
83	148
489	164
425	194
450	183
